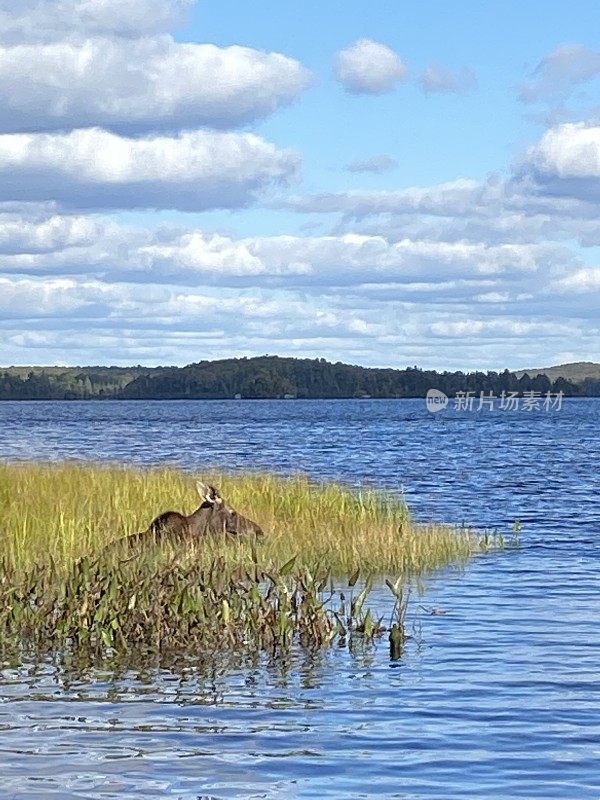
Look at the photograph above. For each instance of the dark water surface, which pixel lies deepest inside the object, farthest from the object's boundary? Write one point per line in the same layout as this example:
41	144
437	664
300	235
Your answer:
498	698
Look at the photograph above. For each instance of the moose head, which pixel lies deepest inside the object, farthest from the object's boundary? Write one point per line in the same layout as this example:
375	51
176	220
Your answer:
215	516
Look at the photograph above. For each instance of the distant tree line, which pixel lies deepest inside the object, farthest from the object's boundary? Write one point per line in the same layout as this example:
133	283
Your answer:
265	377
65	383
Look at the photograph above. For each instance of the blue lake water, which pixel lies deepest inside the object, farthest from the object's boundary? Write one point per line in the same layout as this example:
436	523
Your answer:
497	698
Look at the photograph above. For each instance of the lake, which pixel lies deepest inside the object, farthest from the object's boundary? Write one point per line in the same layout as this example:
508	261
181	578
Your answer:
498	698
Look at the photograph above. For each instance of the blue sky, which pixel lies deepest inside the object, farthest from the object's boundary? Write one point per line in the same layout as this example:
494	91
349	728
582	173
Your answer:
388	183
436	137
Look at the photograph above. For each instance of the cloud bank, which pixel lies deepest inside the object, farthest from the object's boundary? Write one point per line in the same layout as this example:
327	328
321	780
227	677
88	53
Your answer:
102	110
172	293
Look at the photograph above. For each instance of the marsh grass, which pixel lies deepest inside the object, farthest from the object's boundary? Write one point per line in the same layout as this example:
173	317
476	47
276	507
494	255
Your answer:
62	588
60	513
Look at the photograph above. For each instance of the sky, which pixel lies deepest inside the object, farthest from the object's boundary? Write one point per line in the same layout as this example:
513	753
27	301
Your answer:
388	183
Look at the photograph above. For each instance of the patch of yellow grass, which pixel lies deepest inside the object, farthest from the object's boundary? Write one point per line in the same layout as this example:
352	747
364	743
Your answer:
59	513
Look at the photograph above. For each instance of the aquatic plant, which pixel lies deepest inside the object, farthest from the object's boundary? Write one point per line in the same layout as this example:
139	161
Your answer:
148	608
71	582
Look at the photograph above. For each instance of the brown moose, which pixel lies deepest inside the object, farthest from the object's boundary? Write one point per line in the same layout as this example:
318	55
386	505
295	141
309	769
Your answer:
213	516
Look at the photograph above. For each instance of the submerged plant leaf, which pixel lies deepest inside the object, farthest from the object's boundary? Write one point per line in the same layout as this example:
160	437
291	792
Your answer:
288	566
353	578
395	588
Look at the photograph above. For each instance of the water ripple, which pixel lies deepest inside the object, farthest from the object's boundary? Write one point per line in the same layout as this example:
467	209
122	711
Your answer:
498	698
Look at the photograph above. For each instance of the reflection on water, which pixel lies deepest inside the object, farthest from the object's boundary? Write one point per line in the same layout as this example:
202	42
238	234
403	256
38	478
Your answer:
497	698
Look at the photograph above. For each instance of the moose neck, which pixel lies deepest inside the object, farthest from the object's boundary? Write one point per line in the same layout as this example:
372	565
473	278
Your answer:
200	520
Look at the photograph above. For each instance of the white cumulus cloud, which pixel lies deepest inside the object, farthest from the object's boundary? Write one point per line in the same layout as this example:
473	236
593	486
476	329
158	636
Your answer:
22	235
92	168
579	282
369	67
567	151
55	20
149	84
557	73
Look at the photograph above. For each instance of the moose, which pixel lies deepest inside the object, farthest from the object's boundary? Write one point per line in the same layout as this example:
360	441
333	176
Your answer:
212	517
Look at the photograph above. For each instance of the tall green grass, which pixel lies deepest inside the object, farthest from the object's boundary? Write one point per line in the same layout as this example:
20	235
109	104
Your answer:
60	513
63	591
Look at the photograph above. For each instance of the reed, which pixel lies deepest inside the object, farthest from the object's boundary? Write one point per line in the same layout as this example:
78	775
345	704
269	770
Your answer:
56	514
66	590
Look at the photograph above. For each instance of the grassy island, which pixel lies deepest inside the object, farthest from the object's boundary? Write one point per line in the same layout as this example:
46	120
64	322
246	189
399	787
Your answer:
60	585
61	513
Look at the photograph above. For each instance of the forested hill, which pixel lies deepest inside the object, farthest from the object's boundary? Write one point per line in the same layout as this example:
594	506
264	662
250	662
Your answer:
262	377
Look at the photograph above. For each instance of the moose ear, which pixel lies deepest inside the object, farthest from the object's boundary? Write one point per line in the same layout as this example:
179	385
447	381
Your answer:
208	493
